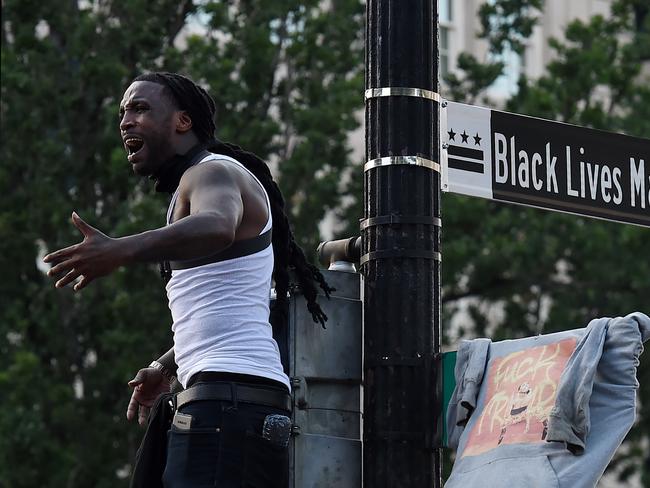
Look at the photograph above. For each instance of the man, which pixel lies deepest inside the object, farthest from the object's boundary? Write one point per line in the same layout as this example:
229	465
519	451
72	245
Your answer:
231	424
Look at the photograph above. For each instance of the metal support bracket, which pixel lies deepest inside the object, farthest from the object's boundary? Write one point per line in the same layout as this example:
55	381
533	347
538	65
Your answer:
402	92
444	180
399	253
400	219
401	160
300	391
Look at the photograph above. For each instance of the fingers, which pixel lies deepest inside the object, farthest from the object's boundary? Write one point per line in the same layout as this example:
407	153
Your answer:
85	280
140	378
60	255
72	275
60	268
84	228
132	408
66	266
139	397
69	278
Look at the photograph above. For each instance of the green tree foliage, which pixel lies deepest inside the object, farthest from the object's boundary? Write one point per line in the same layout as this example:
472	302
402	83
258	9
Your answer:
523	271
287	77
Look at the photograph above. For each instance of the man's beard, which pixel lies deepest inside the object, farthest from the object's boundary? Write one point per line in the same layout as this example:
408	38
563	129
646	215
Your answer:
158	151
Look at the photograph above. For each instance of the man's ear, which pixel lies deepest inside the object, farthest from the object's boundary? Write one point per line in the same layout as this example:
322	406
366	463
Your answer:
183	122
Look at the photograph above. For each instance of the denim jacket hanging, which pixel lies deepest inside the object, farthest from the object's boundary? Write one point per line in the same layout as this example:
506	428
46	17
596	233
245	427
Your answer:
545	411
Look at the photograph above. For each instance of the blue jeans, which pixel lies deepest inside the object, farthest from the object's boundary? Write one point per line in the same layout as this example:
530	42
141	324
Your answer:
222	445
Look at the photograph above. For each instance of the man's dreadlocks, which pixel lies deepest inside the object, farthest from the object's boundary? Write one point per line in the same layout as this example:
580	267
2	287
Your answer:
190	97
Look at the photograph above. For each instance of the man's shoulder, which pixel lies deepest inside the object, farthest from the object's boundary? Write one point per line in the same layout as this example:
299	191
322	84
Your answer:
217	171
214	164
211	156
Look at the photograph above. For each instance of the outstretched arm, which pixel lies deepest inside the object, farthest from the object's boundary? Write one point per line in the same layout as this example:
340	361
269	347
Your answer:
216	210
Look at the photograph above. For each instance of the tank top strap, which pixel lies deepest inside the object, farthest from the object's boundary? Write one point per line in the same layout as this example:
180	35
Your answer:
222	157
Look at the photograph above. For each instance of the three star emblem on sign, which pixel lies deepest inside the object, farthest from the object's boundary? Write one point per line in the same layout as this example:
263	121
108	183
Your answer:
464	136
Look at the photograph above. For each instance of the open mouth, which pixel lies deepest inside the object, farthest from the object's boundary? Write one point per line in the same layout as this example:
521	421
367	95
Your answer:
133	145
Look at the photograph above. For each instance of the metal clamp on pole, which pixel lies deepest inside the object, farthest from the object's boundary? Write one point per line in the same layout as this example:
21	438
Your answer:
400	253
401	160
402	92
394	219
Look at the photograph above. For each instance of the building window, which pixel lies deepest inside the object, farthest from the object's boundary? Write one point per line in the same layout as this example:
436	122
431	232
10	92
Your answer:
443	48
514	66
444	11
445	17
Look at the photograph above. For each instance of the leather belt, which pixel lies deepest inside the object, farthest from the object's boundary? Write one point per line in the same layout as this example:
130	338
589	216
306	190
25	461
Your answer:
236	393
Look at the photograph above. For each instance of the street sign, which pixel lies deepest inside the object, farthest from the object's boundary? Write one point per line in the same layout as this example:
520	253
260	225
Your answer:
546	164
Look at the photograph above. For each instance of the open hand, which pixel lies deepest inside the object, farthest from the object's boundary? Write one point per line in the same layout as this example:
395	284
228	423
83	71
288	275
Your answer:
97	255
147	386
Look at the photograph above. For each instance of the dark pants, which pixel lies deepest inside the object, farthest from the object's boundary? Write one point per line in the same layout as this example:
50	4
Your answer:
223	447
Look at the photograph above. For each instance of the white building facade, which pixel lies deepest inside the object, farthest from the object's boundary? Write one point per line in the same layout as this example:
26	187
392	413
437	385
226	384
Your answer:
459	27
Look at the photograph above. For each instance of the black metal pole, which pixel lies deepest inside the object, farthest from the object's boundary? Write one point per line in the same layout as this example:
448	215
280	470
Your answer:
401	247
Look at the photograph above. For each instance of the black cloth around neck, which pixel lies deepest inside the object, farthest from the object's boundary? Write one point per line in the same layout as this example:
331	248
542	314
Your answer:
166	179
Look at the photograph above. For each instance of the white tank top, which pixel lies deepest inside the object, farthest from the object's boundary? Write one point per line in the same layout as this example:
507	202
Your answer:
220	312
